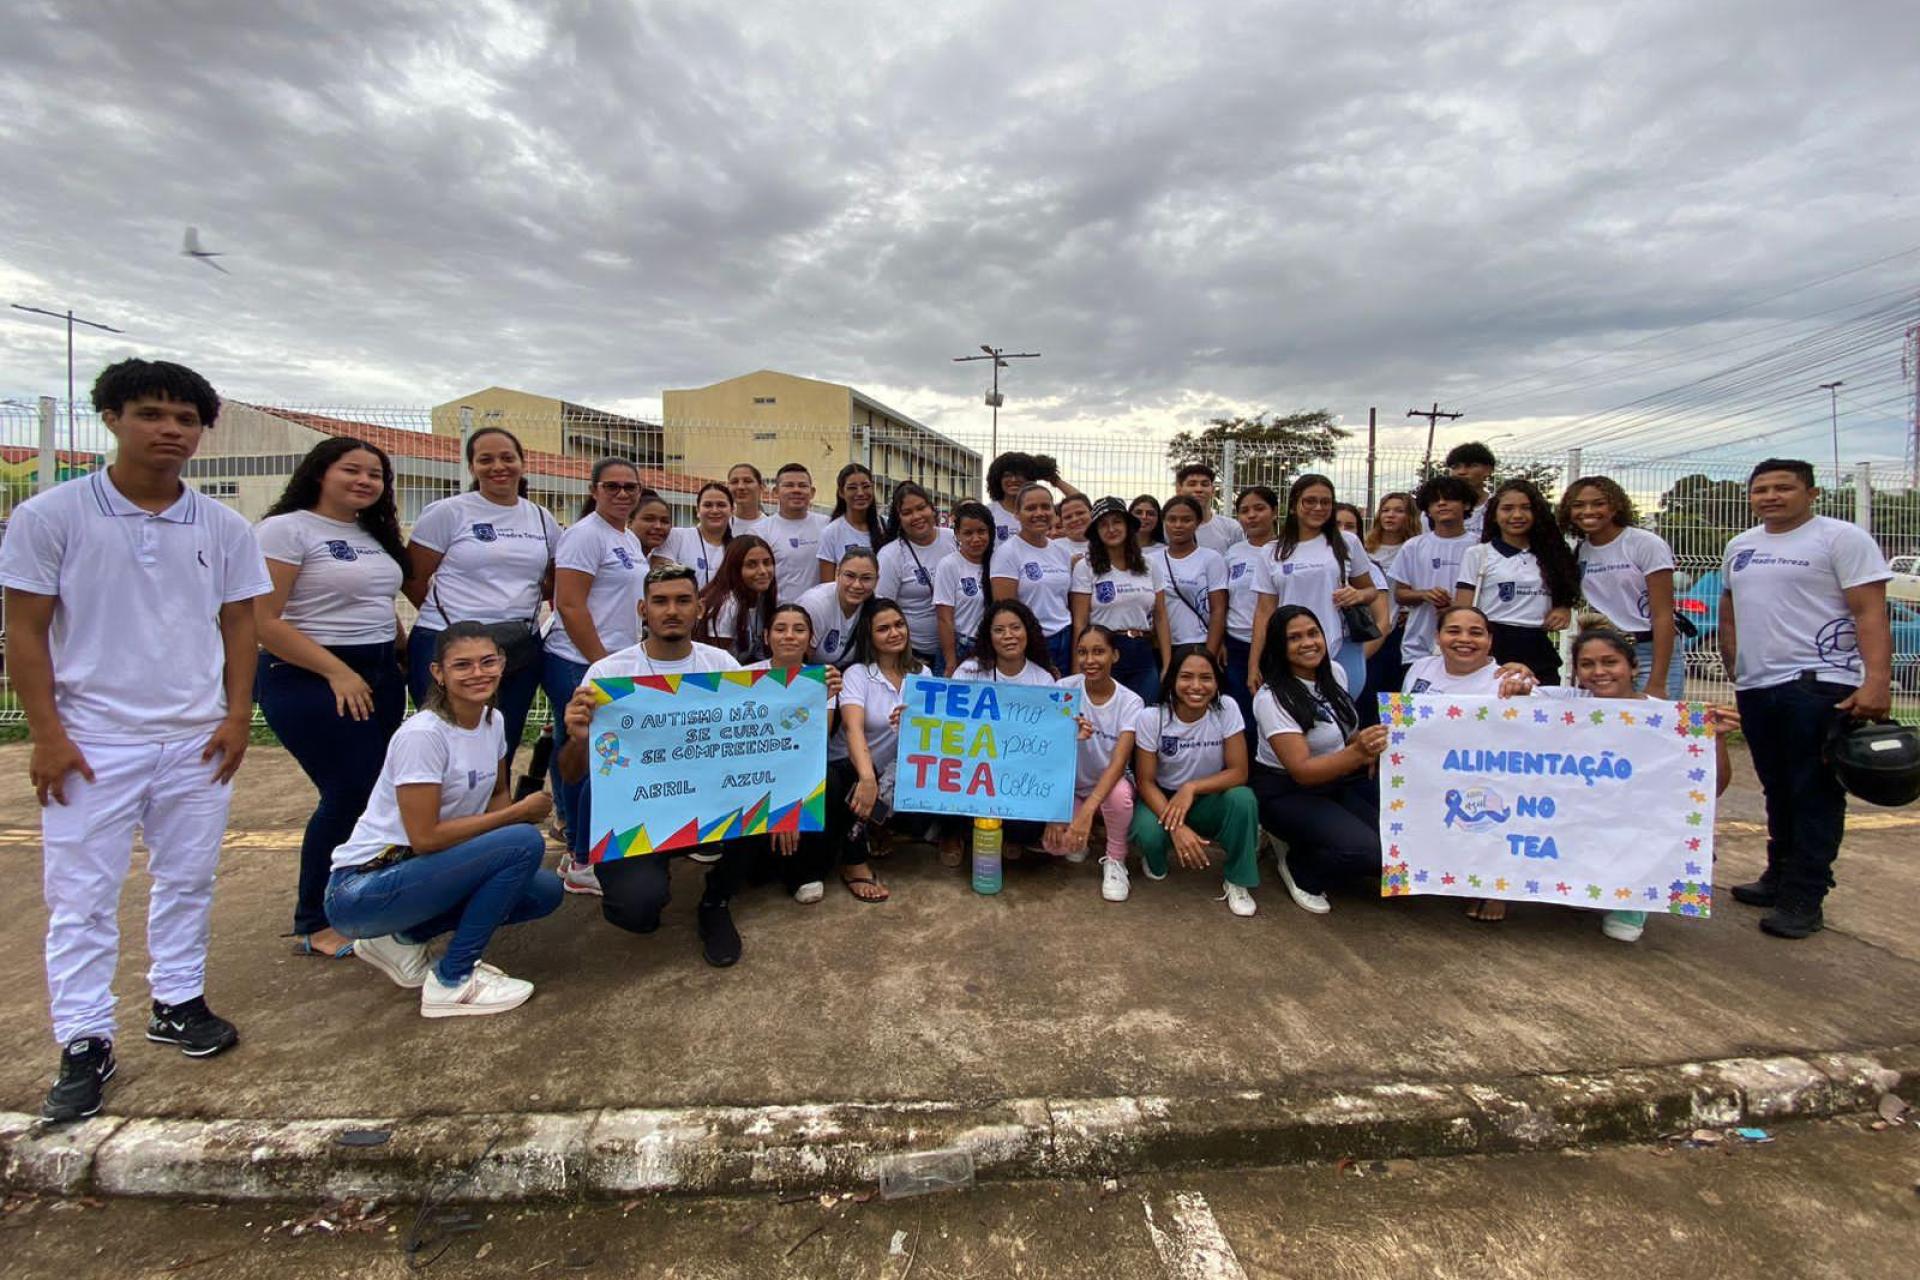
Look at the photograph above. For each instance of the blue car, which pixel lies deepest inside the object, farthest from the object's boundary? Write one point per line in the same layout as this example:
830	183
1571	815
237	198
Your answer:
1700	604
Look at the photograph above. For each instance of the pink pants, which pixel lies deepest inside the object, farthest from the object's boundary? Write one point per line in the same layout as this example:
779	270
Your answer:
1117	811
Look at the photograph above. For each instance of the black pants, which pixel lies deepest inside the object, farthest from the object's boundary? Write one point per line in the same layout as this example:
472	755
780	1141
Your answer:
1384	672
1529	645
634	891
1785	726
340	755
1332	830
811	861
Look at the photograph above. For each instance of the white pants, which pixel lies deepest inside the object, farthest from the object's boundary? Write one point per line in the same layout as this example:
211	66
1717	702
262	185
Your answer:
169	793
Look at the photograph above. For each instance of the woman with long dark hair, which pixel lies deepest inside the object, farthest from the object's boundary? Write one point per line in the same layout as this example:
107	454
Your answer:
1522	576
799	859
1317	565
1117	587
1249	586
1146	511
1036	569
737	606
961	583
855	522
1009	647
329	683
1195	577
652	522
860	758
909	563
1626	573
702	546
486	556
1312	769
598	571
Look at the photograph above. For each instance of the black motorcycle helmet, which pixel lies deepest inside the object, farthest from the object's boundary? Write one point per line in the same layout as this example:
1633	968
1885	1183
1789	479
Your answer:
1878	761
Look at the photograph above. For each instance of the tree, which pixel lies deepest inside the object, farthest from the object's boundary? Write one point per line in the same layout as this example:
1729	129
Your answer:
1699	515
1269	451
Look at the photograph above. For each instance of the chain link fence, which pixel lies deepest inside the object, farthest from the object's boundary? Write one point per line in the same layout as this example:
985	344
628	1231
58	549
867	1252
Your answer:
246	460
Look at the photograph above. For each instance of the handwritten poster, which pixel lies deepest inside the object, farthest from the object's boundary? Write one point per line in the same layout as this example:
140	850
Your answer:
983	749
1589	802
682	760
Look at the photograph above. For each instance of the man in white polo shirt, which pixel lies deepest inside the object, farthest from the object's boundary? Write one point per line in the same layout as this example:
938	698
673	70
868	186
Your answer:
131	645
793	531
1197	481
1803	628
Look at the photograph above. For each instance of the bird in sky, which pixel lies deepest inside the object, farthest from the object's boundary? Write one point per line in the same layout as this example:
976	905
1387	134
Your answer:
190	247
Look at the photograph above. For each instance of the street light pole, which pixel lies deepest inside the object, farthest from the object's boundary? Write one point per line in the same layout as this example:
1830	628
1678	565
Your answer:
999	356
1833	409
71	320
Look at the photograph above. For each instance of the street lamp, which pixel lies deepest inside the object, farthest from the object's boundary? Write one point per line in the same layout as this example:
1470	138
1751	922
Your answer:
1833	409
999	356
71	320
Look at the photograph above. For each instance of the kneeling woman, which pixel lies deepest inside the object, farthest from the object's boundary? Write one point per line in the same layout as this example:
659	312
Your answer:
1465	662
1009	648
799	859
1312	771
441	848
1190	773
860	757
1108	712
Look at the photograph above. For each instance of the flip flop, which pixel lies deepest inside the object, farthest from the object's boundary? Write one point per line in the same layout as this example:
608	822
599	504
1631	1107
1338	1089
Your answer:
1480	905
303	946
851	881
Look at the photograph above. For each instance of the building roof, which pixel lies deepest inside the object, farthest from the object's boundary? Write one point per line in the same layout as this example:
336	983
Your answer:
401	443
860	398
61	457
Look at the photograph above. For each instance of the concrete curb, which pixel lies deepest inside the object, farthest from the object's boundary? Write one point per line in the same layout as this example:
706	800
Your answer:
733	1150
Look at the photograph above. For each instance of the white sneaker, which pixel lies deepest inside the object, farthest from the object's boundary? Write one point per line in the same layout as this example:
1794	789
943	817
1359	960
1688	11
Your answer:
486	990
809	893
1624	926
1077	857
1240	900
1147	871
705	857
408	964
579	877
1114	885
1313	902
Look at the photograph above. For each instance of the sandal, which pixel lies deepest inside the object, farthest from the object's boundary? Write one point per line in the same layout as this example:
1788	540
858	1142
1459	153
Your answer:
1487	910
303	946
881	896
953	855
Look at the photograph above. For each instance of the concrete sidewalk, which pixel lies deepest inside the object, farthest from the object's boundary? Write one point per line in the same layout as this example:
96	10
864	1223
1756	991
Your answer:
964	1006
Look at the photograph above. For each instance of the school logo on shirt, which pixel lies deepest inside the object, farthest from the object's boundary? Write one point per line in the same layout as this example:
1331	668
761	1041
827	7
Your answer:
1169	747
1741	560
473	779
1838	644
794	543
1287	566
1104	592
969	586
833	641
920	576
1437	562
1237	570
1032	571
1508	591
1421	686
621	554
484	533
339	550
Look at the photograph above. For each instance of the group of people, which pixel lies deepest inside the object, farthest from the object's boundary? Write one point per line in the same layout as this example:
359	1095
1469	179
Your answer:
1227	667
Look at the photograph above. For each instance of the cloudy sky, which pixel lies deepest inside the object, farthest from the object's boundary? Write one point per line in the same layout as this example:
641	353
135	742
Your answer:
1534	213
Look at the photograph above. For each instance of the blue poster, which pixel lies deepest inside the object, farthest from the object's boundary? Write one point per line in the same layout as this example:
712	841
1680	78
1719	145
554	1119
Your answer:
982	749
676	761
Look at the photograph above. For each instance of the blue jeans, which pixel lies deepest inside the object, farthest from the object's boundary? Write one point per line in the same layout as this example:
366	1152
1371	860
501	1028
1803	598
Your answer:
1353	661
1239	652
1138	667
468	890
341	756
516	690
1060	649
1785	726
559	677
1676	668
936	664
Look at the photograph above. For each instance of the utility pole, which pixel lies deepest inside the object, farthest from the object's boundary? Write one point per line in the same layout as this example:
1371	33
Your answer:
999	356
1432	416
1373	428
1833	404
71	320
1911	361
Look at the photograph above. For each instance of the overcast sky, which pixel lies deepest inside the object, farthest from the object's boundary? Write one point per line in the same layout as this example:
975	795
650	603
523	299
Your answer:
1187	208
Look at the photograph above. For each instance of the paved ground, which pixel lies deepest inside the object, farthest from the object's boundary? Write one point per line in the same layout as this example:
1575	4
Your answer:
1831	1199
940	994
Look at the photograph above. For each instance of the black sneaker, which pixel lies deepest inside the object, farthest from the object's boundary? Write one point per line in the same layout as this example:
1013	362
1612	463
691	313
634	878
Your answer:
1757	893
198	1030
1792	921
85	1067
719	940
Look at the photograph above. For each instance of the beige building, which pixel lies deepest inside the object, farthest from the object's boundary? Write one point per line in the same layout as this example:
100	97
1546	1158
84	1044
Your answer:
550	425
769	418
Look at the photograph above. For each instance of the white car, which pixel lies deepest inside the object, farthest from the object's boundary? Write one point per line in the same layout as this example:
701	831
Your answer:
1906	579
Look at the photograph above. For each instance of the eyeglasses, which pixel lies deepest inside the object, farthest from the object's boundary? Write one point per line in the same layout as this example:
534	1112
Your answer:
620	486
469	666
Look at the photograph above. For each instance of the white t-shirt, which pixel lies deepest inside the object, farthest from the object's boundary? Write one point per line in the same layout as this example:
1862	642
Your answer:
493	559
796	545
1789	602
1476	519
463	763
906	578
832	625
1120	598
1248	578
1425	562
137	652
1310	576
613	558
1029	673
1187	751
1614	577
1109	720
634	660
1043	576
1006	524
839	537
1506	584
1190	582
1429	675
1269	718
686	546
1218	532
864	686
343	593
747	524
963	587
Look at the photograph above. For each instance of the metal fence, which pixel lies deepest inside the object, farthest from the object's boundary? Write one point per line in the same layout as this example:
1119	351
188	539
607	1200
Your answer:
1696	506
